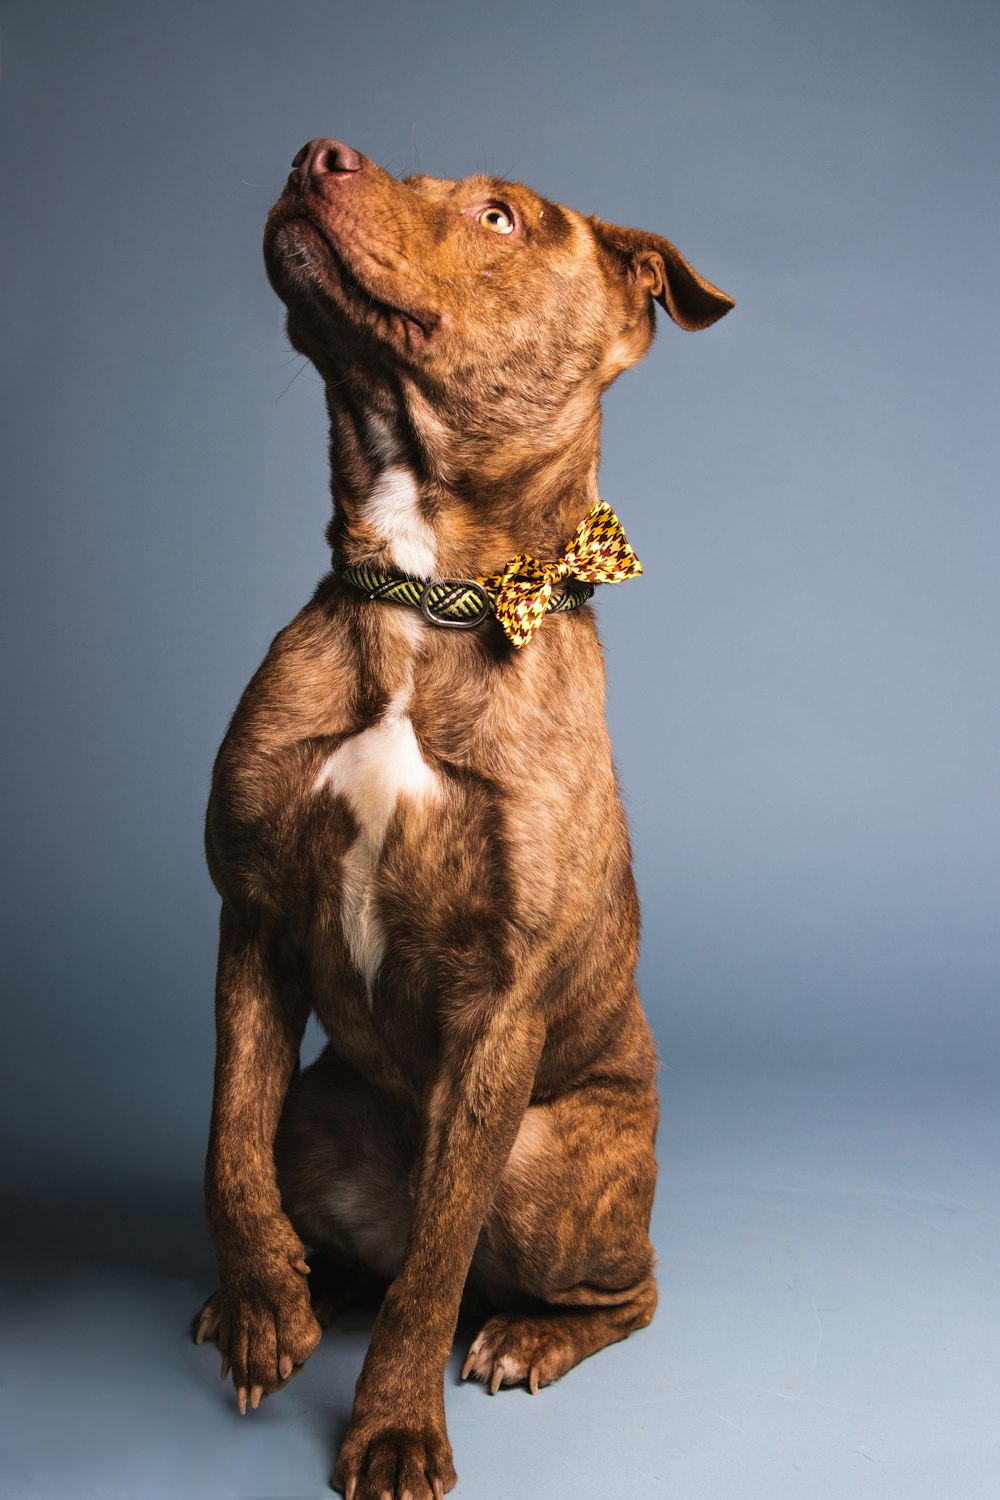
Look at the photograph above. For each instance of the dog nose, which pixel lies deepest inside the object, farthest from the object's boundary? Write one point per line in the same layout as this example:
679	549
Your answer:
324	158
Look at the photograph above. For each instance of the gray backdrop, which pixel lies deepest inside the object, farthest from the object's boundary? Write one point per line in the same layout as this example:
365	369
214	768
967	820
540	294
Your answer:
803	701
803	686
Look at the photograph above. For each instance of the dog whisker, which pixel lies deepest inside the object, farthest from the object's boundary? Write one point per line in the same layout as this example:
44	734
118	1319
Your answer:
294	378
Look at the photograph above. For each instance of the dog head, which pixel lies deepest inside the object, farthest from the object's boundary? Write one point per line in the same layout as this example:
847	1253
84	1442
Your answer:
500	312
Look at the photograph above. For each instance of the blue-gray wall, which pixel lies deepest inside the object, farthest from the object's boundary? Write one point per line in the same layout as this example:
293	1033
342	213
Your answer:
804	685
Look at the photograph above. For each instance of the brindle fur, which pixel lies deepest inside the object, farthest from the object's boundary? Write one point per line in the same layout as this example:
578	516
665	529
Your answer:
488	1100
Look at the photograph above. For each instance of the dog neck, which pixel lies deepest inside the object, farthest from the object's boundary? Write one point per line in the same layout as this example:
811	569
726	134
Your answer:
412	497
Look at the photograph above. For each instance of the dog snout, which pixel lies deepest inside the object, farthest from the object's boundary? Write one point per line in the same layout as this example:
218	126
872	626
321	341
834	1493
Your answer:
323	158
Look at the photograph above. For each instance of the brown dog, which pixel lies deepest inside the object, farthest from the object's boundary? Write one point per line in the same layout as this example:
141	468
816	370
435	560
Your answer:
416	831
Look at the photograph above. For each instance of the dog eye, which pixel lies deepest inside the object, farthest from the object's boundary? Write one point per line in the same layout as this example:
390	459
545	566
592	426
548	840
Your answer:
497	219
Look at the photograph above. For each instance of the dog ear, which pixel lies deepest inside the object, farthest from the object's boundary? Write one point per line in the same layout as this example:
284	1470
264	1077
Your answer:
657	266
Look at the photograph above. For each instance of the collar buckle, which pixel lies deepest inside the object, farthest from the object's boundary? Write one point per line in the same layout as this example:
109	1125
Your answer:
447	593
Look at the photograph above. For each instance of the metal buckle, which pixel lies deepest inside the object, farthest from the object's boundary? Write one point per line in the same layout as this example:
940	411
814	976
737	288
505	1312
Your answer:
463	584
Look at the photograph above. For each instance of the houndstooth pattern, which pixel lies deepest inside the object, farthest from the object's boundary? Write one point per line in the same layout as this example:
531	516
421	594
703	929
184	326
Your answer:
598	552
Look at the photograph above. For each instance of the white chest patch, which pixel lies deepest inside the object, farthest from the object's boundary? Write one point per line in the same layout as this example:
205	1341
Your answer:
393	511
372	771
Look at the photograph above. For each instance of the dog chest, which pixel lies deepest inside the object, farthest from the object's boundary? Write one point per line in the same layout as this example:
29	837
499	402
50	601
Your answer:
376	772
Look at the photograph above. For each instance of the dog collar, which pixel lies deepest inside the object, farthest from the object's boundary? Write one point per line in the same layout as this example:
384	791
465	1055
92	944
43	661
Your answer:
522	593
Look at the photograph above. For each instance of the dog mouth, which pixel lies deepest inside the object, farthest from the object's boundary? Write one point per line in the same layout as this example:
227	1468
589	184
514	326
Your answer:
309	258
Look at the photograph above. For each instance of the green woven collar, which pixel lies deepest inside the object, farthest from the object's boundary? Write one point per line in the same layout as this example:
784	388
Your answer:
454	603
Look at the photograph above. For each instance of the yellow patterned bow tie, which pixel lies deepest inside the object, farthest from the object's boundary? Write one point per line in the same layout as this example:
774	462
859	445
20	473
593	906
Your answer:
596	553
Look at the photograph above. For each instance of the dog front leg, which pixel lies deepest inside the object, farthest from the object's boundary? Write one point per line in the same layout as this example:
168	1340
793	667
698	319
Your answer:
266	1325
396	1447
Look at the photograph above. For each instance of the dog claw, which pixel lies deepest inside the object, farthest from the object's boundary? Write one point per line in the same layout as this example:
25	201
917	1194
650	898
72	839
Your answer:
496	1379
301	1266
467	1368
533	1380
255	1396
225	1367
352	1485
241	1400
285	1366
437	1485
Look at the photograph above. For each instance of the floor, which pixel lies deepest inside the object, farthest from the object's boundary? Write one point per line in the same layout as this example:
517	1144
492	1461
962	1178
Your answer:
828	1328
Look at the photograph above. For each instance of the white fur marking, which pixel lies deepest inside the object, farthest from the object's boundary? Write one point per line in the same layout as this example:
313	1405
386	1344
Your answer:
531	1142
393	511
381	439
371	771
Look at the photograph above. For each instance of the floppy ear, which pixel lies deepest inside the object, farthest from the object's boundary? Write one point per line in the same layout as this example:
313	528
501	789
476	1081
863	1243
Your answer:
655	264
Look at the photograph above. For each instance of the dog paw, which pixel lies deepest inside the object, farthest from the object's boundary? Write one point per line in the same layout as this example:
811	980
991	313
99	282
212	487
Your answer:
406	1461
265	1337
205	1323
512	1351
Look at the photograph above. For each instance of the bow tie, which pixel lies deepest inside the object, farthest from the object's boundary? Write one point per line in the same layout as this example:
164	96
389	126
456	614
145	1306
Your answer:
597	552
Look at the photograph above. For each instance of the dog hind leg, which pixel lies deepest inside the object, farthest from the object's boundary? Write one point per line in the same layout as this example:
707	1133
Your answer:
344	1155
566	1239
